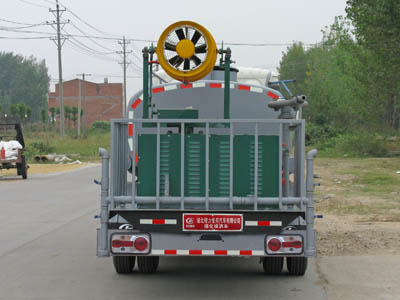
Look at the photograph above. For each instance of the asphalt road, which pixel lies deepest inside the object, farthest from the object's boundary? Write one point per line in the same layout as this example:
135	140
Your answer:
47	251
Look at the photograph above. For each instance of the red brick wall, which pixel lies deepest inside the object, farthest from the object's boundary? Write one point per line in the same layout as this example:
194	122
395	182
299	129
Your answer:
103	100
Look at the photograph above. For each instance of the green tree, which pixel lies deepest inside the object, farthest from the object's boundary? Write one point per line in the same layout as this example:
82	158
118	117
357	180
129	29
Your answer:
43	116
294	66
377	28
74	112
67	114
52	111
23	80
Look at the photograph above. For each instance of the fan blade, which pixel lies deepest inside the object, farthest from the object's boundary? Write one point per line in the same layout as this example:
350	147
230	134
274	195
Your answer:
196	36
201	49
196	60
186	65
180	34
169	46
176	61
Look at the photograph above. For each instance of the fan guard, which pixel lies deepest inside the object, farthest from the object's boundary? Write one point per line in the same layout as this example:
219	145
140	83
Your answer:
186	51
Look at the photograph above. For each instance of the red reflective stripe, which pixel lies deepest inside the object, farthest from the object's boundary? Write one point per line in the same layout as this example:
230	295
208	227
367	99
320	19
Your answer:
136	103
221	252
170	252
130	129
136	158
243	87
187	86
215	85
158	221
272	95
263	223
158	90
195	252
246	252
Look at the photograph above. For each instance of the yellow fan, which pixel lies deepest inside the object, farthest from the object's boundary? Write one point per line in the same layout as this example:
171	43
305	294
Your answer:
186	51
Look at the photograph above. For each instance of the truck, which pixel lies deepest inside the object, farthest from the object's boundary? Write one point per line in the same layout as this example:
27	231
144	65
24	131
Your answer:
205	165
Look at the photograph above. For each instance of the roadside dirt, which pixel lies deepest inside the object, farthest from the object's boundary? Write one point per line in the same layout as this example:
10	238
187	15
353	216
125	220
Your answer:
360	202
41	169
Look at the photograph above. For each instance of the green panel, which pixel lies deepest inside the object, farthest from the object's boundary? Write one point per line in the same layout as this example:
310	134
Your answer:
178	114
147	152
170	164
268	166
195	165
219	166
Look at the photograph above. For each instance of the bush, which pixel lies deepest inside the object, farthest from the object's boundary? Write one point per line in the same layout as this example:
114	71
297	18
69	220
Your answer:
320	134
103	125
37	148
361	143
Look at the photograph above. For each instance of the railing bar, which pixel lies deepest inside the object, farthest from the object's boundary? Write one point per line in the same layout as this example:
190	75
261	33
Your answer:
182	165
231	166
280	166
158	168
133	153
207	165
256	167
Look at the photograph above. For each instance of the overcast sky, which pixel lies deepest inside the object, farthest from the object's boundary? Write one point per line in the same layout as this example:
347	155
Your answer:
236	21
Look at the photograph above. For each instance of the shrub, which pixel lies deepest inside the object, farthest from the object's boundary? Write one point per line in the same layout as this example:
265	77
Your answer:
103	125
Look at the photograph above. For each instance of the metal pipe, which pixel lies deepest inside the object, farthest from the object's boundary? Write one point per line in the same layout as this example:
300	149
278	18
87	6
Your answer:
310	236
105	169
145	83
256	167
213	200
227	90
182	166
231	166
294	102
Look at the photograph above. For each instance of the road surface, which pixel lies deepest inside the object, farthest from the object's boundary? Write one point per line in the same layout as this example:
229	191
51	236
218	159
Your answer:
47	251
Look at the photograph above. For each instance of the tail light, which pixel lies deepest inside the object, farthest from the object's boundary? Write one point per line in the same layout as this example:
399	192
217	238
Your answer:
130	243
284	244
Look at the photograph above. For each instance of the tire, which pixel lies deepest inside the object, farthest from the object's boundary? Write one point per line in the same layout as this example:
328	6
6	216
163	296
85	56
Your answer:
24	168
148	264
272	265
296	265
124	264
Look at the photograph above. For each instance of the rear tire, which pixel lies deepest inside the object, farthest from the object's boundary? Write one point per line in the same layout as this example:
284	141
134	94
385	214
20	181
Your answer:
148	264
124	264
272	265
24	168
297	265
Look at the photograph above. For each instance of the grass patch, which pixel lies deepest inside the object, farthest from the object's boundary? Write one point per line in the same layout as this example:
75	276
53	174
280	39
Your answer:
84	148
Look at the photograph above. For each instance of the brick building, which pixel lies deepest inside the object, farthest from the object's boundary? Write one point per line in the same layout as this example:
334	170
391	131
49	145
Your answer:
103	100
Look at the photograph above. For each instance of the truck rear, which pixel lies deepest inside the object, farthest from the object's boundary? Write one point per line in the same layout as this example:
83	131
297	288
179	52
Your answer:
206	165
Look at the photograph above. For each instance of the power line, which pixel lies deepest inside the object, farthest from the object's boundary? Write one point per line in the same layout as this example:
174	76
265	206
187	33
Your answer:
34	4
24	38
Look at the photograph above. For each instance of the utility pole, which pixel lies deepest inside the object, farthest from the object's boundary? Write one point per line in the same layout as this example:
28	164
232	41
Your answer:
58	13
79	108
125	65
84	101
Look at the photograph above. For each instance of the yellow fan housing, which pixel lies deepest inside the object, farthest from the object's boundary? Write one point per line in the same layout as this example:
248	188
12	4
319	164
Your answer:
186	51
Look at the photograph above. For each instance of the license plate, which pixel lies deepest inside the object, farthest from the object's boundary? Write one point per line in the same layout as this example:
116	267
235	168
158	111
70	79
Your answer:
212	222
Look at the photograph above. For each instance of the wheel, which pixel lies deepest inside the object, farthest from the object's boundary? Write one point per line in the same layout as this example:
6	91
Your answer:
272	265
24	168
124	264
297	265
148	264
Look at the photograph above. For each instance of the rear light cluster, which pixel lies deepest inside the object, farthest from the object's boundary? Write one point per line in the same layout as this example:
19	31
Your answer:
130	243
284	244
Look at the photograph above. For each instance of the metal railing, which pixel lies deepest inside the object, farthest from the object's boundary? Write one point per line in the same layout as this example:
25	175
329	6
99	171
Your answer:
120	131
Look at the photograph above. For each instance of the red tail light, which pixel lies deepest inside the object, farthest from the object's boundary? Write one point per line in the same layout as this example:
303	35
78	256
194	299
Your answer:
274	244
141	243
118	243
284	244
135	243
294	244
